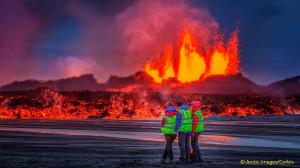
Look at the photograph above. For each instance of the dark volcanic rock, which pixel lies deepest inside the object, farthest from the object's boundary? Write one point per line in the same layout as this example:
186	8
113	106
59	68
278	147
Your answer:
139	78
83	82
287	87
232	84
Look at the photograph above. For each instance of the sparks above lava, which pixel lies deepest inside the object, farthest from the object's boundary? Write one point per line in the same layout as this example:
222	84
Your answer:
188	63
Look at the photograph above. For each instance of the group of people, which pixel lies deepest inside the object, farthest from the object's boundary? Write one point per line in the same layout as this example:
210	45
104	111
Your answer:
187	123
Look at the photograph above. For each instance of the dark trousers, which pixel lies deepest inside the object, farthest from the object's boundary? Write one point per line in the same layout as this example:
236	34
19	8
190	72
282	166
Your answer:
196	152
184	146
168	152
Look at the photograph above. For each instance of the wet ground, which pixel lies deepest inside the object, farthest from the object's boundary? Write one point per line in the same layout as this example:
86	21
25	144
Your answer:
138	143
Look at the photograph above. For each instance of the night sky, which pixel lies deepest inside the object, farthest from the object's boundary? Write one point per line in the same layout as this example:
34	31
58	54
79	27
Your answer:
50	39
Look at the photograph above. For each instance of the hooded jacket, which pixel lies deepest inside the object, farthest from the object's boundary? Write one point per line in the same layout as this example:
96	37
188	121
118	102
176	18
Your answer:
169	114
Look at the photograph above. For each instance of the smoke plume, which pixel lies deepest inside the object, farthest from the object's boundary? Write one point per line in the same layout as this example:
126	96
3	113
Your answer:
117	42
16	31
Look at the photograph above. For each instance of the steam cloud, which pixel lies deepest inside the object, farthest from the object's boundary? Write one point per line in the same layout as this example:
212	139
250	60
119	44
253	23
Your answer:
116	43
16	30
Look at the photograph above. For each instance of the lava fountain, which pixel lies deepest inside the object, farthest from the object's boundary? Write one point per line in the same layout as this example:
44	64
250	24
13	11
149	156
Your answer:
193	61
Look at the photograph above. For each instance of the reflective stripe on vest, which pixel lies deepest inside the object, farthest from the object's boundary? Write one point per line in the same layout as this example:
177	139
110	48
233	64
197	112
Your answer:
200	126
169	126
186	122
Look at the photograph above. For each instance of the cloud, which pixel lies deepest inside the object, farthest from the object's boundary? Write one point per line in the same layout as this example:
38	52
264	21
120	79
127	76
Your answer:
18	26
74	66
147	26
120	43
113	41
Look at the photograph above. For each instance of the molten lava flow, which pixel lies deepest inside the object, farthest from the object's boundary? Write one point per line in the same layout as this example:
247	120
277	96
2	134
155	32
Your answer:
191	63
232	53
218	64
164	70
188	64
46	103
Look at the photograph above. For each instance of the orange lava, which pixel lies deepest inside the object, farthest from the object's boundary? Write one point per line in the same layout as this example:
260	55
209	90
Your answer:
188	63
46	103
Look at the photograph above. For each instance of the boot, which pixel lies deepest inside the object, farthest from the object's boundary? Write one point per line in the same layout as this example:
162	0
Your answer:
181	160
193	158
163	161
199	159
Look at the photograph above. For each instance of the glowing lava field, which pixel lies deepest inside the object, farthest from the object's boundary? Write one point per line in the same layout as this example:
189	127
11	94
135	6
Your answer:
46	103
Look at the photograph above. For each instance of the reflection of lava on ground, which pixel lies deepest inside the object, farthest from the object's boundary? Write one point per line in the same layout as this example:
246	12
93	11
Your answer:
45	103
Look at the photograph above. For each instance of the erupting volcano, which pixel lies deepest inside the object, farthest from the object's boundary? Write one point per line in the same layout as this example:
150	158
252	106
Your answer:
207	71
193	60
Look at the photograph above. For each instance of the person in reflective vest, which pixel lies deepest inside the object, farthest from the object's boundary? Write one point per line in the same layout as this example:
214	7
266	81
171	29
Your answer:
168	129
184	128
197	128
